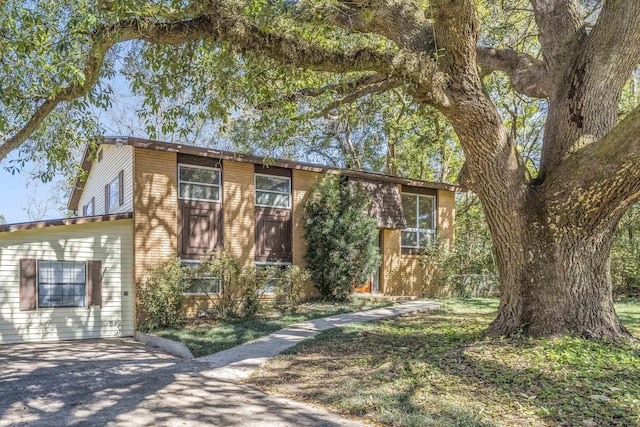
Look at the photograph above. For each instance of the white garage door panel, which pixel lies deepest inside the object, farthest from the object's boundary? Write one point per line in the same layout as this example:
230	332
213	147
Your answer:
110	242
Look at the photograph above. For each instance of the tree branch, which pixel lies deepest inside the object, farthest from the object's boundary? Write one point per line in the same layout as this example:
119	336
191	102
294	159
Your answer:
560	24
588	94
603	176
527	74
371	89
341	88
220	24
398	20
482	133
614	43
407	25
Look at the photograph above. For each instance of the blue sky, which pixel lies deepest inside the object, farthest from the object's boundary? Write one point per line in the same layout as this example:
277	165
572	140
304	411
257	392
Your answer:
19	191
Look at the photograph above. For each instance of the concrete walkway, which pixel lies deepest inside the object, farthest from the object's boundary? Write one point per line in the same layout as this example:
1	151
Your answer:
241	361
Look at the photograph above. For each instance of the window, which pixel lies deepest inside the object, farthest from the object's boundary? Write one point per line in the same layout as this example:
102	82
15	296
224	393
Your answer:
89	208
197	284
61	284
114	194
274	282
273	191
419	210
198	183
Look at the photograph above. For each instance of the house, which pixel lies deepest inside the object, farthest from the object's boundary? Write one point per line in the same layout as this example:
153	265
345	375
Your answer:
142	201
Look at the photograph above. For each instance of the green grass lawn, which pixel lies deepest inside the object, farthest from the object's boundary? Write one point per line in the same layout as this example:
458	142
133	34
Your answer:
436	369
211	338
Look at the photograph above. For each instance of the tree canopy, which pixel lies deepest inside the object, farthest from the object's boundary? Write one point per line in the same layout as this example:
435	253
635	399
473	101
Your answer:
274	70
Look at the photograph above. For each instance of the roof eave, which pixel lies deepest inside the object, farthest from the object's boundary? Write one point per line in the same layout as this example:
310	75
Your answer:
34	225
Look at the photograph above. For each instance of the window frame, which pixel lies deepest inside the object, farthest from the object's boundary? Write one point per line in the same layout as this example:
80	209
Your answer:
219	184
91	203
38	283
263	264
190	263
109	208
416	229
255	191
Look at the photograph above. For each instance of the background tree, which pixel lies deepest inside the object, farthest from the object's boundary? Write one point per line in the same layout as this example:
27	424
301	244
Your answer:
552	229
625	255
342	241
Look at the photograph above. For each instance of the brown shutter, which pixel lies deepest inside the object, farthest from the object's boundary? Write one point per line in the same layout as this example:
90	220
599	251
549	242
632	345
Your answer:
28	284
106	199
121	187
94	283
272	234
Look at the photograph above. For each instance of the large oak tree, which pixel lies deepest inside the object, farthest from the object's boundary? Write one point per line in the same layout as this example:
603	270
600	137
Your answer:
552	232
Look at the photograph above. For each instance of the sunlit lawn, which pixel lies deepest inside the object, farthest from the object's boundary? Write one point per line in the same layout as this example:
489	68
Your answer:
211	338
436	369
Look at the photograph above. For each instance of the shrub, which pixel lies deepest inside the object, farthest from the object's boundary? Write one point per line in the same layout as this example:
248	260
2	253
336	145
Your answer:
159	296
342	250
291	286
467	268
241	285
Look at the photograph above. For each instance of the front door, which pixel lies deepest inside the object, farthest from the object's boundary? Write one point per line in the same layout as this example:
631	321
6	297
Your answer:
373	284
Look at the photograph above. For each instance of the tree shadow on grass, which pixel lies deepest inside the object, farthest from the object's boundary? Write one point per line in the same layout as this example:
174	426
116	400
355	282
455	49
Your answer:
563	381
481	303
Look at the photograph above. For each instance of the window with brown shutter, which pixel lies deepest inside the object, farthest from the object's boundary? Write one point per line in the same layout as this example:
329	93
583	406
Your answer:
62	283
94	283
28	284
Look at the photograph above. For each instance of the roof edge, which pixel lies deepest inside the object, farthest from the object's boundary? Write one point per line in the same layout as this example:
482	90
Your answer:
34	225
270	161
151	144
78	186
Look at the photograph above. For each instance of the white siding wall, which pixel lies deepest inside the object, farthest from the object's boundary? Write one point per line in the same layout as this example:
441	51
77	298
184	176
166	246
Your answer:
114	160
110	242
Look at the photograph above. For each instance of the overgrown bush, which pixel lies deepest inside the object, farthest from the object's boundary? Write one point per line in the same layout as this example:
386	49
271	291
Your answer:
467	268
159	296
241	285
291	287
342	241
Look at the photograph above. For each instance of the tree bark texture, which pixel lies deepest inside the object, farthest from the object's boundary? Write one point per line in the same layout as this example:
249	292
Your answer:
552	235
562	282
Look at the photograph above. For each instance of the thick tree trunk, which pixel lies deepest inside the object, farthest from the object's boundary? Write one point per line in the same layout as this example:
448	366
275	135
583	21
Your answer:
561	284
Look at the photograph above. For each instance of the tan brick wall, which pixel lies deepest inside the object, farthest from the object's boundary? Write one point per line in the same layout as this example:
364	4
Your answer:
155	207
446	203
238	209
301	182
405	274
390	257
